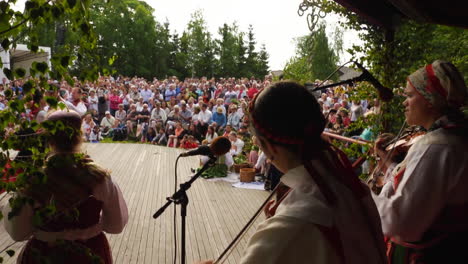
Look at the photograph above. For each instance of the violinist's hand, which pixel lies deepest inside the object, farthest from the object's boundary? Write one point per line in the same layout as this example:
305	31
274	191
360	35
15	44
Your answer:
205	262
379	150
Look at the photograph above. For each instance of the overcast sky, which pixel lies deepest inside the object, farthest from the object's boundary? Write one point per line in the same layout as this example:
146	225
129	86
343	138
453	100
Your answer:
275	22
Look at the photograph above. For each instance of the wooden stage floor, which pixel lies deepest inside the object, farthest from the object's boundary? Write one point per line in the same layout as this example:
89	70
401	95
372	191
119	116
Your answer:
145	173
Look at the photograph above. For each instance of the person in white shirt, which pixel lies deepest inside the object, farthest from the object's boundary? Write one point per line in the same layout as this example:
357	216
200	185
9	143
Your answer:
236	144
95	135
204	118
146	93
356	111
76	104
158	114
107	123
92	100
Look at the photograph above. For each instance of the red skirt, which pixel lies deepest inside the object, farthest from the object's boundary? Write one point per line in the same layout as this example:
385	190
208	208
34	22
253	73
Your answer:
70	252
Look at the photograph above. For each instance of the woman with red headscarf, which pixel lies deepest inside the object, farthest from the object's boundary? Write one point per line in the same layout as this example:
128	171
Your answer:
424	208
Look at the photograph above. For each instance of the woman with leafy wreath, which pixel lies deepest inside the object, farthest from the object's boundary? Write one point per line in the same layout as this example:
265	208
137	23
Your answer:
64	210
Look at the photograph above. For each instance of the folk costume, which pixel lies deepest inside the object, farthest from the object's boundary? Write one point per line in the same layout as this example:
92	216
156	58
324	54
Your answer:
68	206
424	209
104	210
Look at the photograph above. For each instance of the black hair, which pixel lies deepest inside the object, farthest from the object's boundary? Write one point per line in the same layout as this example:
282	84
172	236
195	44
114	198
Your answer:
288	110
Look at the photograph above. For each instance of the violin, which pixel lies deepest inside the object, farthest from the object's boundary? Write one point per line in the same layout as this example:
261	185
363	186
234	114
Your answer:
395	151
281	192
410	136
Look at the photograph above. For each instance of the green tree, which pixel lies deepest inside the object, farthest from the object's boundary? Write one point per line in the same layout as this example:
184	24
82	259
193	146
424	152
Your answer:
226	50
240	57
252	55
322	56
298	69
262	63
162	50
315	57
127	31
199	45
178	57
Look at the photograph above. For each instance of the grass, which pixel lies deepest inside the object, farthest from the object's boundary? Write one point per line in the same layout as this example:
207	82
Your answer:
109	140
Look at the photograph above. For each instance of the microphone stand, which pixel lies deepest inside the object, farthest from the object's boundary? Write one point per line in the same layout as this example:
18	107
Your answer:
180	197
359	78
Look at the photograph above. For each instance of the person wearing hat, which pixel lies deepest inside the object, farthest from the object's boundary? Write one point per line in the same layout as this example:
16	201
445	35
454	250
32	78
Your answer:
219	118
61	235
234	117
424	208
107	123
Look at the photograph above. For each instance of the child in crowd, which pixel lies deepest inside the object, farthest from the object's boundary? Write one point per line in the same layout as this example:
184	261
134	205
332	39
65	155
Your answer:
95	135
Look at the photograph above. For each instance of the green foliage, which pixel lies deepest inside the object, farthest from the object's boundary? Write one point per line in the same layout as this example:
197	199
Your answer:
322	56
393	55
35	27
217	171
240	159
315	57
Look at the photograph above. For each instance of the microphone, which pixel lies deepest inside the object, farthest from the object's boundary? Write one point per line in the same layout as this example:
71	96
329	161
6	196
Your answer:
384	93
219	146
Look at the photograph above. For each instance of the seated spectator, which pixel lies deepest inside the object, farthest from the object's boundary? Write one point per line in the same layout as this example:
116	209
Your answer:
144	115
210	134
175	138
150	134
139	104
174	117
227	130
160	138
132	115
95	135
121	114
186	115
87	126
219	117
107	123
253	154
188	142
158	114
131	131
193	131
234	117
236	144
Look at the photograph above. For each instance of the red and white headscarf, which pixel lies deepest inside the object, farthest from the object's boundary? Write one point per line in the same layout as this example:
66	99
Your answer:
440	84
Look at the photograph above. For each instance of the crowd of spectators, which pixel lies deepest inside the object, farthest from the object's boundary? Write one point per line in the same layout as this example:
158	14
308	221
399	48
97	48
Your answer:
179	114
